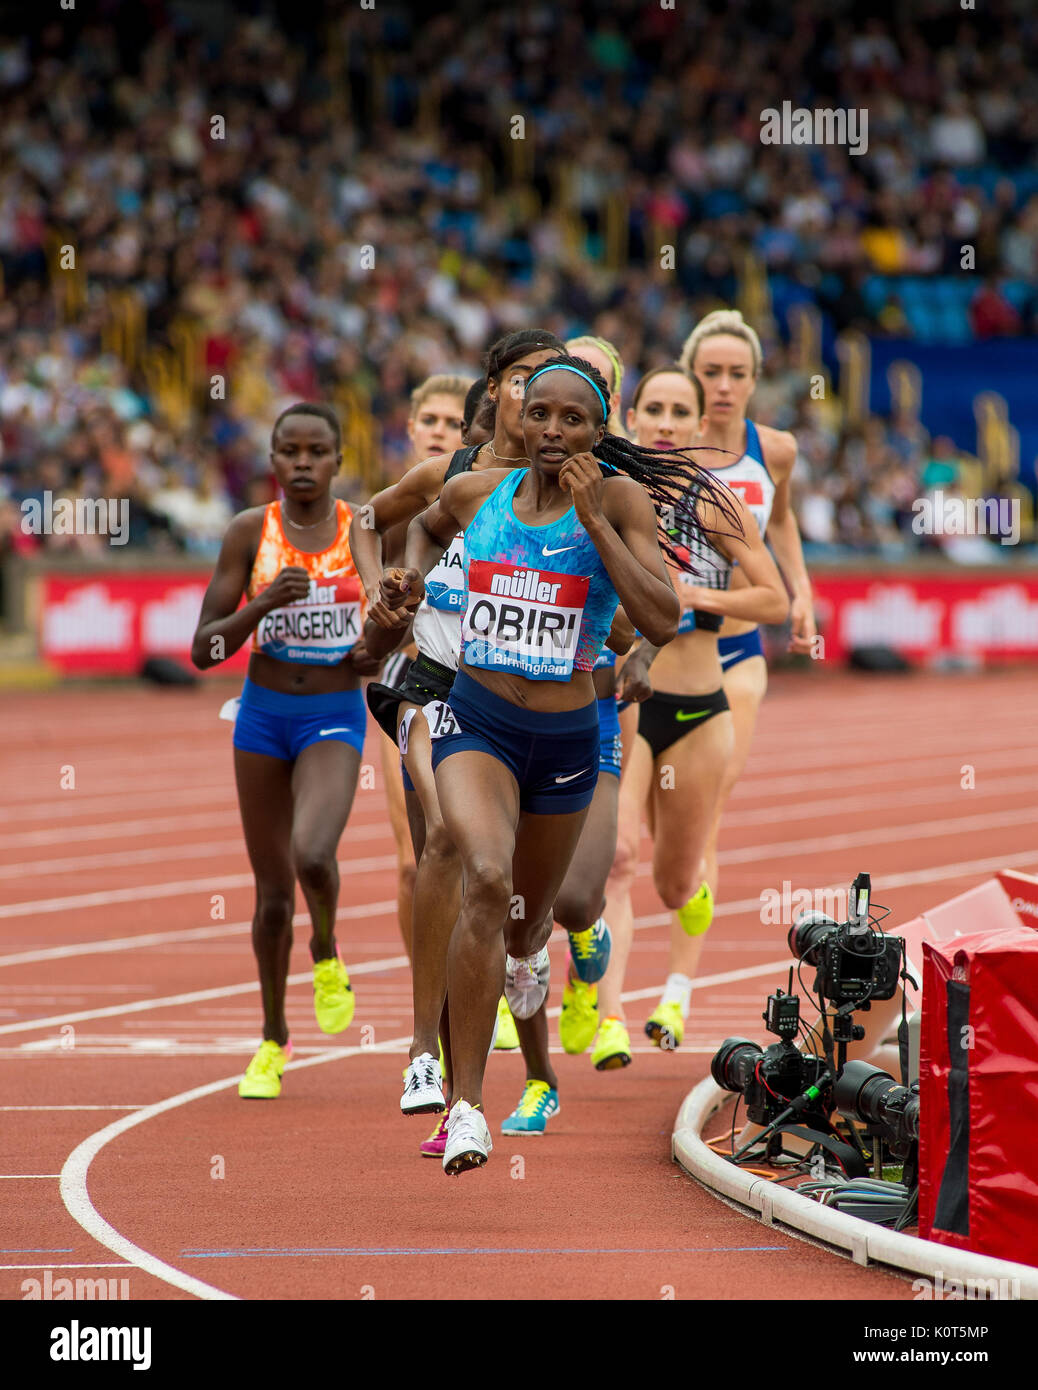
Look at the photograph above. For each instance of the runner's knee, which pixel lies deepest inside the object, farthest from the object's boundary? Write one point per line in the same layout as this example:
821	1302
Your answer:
675	886
315	868
625	863
577	907
275	904
488	890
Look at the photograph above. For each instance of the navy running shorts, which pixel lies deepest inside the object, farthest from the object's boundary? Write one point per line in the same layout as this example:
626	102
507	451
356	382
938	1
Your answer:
553	757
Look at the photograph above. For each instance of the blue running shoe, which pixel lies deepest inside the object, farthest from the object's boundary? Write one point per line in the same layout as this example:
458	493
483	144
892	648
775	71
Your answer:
539	1103
590	951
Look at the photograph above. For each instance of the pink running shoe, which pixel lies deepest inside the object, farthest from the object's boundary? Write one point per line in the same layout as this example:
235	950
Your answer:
434	1146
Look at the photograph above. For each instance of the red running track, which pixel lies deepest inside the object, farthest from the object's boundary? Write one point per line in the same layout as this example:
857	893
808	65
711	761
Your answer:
123	990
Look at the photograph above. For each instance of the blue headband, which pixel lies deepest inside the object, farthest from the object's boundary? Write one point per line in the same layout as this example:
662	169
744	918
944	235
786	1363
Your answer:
564	367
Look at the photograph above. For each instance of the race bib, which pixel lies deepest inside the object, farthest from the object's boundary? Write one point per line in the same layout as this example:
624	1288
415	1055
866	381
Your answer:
445	582
319	629
441	719
524	621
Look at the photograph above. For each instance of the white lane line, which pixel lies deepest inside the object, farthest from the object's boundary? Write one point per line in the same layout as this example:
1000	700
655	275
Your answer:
162	938
74	1174
893	834
17	1177
937	873
121	1264
155	825
194	997
809	808
145	892
71	1107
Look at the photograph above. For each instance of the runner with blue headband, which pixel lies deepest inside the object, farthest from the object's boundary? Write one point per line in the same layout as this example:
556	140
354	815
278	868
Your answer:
550	551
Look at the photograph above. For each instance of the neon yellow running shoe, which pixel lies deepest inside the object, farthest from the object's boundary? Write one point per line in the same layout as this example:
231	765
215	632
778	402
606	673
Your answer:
333	996
666	1027
578	1021
612	1046
262	1079
507	1039
697	914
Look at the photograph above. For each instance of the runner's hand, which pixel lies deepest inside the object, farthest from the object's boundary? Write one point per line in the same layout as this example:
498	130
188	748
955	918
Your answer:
582	479
292	584
402	589
361	662
384	603
802	619
633	682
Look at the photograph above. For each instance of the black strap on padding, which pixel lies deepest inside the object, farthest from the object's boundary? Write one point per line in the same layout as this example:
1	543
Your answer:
462	461
849	1159
952	1212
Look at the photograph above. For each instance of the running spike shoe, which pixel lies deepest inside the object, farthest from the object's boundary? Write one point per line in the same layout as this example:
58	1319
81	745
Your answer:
468	1139
578	1021
666	1027
507	1039
589	950
526	982
697	914
262	1079
612	1046
538	1104
423	1087
434	1146
334	1001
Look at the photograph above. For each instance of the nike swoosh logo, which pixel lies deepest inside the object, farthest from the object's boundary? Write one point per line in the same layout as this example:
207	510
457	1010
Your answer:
572	775
323	732
682	716
546	551
729	657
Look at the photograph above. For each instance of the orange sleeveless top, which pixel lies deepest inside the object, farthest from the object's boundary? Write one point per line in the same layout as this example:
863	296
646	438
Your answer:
322	627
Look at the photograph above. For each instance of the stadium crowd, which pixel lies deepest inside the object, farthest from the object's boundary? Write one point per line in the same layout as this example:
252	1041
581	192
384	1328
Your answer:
362	216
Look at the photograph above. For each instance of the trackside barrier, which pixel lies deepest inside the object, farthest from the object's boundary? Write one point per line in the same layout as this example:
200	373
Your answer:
778	1206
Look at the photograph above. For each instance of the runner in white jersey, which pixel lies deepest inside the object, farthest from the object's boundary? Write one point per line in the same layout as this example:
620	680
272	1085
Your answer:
723	352
433	427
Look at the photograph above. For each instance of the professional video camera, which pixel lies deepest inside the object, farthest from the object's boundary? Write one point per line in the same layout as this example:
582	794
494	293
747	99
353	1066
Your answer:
789	1091
855	963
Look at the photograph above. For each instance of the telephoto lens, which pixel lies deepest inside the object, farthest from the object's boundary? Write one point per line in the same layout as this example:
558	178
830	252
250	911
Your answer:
864	1092
808	932
734	1063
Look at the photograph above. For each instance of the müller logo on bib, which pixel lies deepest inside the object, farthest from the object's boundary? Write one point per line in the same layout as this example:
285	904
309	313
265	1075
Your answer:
319	629
523	620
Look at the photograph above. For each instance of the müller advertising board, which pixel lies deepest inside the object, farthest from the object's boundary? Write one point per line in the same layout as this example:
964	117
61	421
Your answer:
107	623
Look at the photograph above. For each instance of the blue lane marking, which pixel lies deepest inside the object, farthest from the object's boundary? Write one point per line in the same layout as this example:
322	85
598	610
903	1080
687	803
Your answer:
481	1250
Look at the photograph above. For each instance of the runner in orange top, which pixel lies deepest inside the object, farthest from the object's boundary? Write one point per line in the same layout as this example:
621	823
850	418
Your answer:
300	723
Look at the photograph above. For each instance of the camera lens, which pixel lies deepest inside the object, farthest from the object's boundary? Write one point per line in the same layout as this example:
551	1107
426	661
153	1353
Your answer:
734	1063
874	1096
807	933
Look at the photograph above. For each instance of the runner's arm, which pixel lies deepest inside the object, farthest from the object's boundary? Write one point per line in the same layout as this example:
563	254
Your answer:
431	532
399	503
620	519
784	535
222	626
764	600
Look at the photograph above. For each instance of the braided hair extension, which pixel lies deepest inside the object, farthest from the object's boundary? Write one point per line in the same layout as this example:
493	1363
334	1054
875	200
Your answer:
674	481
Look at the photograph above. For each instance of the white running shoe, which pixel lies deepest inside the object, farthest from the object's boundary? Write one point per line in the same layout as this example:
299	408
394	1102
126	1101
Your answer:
526	982
423	1082
468	1139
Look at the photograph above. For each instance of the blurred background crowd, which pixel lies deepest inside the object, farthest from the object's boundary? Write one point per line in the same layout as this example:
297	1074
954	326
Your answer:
270	202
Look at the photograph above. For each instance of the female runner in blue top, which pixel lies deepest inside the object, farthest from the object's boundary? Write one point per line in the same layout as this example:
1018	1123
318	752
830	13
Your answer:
549	552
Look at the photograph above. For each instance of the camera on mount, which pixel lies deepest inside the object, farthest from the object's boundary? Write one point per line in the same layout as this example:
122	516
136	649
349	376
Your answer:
855	963
769	1079
789	1091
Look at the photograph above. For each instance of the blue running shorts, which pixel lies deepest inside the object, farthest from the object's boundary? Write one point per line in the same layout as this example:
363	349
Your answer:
281	726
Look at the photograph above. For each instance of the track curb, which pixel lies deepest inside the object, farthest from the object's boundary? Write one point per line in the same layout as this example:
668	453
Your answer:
861	1241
